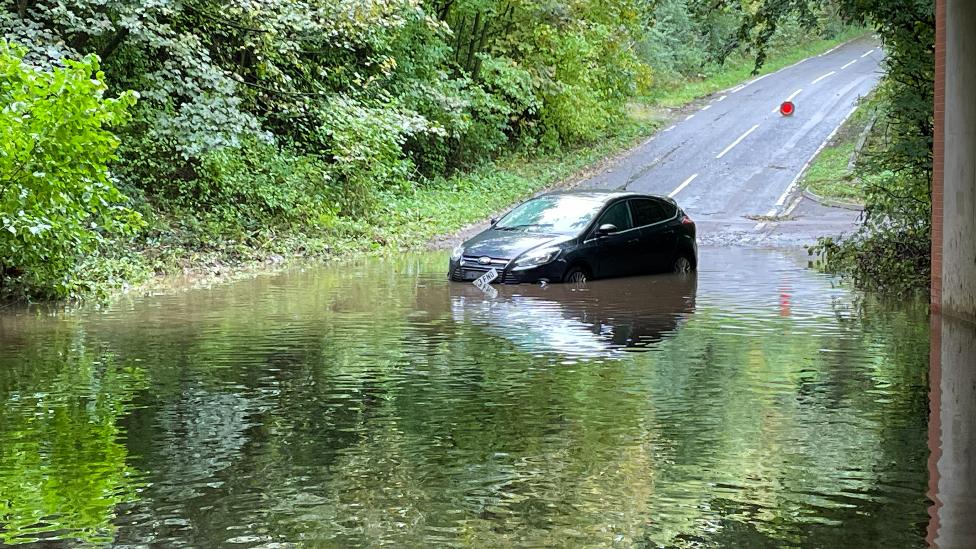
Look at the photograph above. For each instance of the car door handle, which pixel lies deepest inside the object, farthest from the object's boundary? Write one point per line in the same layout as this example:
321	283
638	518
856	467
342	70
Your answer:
633	241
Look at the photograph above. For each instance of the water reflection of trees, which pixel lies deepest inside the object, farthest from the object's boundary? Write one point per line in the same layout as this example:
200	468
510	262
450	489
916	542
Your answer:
63	463
359	408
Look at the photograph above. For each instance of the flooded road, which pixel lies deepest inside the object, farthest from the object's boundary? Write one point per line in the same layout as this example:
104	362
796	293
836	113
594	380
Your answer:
757	404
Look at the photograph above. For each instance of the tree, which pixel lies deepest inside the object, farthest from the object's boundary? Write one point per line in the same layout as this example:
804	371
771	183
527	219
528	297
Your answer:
57	199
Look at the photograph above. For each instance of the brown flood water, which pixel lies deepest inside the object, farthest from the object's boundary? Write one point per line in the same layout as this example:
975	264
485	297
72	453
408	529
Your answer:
755	404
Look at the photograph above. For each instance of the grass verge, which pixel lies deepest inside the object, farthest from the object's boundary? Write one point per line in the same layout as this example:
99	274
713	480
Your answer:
830	175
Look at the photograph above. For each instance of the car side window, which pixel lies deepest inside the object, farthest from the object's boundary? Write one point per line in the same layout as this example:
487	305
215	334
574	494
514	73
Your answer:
670	210
648	211
619	215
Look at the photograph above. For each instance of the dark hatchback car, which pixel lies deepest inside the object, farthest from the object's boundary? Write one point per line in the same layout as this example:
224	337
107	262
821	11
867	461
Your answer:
574	236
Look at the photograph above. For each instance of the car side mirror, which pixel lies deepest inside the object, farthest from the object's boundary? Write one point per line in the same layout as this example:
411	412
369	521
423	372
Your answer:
606	228
493	220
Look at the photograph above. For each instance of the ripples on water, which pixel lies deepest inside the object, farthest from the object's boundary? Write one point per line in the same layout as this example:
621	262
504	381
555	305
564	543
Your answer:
757	404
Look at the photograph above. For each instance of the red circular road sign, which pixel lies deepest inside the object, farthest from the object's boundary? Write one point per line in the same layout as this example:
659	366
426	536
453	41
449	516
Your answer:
786	108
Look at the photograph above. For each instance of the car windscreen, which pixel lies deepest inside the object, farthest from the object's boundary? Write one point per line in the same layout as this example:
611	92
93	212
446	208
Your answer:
556	214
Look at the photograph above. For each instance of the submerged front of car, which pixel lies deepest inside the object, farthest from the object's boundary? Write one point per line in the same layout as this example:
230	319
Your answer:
516	259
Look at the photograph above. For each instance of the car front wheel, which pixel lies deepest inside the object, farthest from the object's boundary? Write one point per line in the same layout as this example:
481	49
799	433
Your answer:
575	275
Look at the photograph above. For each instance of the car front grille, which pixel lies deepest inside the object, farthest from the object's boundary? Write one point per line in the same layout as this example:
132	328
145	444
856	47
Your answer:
471	262
476	269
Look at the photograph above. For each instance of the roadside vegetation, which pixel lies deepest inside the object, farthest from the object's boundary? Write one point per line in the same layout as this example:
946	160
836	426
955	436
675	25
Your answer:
674	89
832	177
147	138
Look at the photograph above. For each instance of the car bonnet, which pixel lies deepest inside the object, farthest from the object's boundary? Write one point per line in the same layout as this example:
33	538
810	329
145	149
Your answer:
508	244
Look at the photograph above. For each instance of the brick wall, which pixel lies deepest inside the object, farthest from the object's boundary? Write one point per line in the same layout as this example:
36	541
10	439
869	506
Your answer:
938	168
935	347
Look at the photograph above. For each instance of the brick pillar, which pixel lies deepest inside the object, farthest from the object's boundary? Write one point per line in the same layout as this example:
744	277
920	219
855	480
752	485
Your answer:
935	347
938	168
952	374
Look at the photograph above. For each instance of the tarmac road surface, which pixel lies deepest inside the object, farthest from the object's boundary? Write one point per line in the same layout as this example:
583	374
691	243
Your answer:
733	164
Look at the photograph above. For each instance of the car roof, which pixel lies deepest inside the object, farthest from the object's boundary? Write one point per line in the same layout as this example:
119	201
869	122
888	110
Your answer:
603	195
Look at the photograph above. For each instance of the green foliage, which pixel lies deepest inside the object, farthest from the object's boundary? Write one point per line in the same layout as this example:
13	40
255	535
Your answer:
697	47
830	174
258	184
293	113
677	91
684	43
311	74
692	38
900	195
887	259
365	144
57	199
576	107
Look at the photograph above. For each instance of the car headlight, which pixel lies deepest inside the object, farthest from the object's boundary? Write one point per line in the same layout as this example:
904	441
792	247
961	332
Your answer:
535	258
457	253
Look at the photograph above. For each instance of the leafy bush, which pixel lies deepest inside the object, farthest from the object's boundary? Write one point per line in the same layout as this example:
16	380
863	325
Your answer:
575	108
884	258
674	45
366	146
898	170
446	83
504	109
57	199
259	184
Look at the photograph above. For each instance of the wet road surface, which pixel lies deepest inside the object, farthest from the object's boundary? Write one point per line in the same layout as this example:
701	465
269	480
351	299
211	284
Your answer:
755	404
735	161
